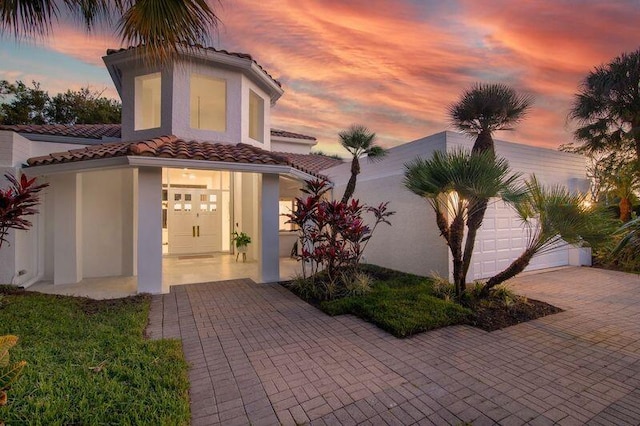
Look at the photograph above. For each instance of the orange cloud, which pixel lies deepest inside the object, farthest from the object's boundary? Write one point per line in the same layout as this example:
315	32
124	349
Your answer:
396	66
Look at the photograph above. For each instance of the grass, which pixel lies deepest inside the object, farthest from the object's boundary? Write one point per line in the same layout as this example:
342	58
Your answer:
402	304
89	363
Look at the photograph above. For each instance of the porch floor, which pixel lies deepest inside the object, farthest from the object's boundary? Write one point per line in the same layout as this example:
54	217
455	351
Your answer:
176	270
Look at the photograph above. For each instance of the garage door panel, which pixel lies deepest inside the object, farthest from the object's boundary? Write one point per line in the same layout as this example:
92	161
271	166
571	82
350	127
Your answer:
501	239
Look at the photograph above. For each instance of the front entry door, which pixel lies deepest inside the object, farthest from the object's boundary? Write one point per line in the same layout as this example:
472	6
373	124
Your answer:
194	220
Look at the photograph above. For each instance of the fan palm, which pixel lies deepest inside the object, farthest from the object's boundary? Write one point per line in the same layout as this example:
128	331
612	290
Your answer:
486	108
607	108
623	184
162	28
452	183
482	110
359	141
552	216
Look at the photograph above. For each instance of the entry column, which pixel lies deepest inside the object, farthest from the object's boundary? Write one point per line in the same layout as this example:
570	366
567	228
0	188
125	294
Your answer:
269	227
150	231
67	229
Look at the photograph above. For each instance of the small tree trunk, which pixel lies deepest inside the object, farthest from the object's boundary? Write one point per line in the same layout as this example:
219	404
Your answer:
351	185
511	271
625	209
474	222
483	143
456	234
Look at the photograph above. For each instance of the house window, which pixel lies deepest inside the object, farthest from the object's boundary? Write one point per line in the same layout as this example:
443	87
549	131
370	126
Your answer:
256	117
147	101
286	206
208	98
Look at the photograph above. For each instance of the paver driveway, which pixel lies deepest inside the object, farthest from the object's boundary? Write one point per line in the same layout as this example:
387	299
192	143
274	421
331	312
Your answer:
261	356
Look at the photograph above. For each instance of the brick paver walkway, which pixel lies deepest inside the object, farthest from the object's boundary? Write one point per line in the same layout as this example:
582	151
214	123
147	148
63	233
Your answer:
260	356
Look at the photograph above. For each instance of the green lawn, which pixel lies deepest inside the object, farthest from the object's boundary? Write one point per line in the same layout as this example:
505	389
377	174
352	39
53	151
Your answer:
402	304
89	364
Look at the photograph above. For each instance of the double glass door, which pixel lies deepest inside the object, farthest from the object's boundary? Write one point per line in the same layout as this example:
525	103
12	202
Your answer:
194	220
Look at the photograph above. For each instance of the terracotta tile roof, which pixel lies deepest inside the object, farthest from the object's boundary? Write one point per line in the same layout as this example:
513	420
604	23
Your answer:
174	147
87	131
285	134
212	49
98	131
310	163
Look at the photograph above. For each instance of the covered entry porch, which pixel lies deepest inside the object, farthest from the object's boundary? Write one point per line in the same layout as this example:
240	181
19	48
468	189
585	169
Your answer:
107	219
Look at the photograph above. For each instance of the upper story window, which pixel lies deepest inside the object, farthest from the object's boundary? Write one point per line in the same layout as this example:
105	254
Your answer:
208	103
256	117
148	101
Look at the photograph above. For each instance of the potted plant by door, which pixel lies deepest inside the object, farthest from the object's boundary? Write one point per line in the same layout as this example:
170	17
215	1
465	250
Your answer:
242	240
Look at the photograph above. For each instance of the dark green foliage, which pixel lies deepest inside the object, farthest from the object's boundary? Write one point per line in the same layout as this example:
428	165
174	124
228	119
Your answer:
90	364
22	104
402	304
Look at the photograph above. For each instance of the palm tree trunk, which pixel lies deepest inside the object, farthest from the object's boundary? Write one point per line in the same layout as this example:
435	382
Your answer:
351	185
484	143
511	271
625	209
474	222
456	235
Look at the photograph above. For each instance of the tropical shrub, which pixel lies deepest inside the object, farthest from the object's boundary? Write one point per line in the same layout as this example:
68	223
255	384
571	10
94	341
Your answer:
16	202
333	236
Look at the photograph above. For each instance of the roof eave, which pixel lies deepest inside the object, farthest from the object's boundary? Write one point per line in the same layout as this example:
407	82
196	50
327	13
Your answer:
141	161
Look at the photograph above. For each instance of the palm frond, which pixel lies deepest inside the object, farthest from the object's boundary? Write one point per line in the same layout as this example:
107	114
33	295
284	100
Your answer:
162	28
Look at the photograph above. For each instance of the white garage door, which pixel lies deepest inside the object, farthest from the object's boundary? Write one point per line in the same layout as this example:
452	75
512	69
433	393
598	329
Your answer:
501	239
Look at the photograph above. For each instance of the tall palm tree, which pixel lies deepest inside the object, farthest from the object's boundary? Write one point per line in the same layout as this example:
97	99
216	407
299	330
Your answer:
359	141
162	28
607	108
486	108
452	183
482	110
552	216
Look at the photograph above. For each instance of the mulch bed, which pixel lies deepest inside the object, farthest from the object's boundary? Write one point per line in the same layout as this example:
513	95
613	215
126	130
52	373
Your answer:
494	314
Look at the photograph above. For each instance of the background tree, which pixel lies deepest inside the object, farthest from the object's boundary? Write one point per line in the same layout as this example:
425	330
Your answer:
482	110
359	141
32	105
452	183
160	27
623	185
26	105
607	107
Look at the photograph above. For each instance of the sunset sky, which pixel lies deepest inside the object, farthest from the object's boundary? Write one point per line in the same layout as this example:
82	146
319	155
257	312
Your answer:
394	66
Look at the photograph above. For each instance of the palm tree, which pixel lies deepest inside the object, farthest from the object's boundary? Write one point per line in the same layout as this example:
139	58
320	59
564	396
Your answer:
623	184
486	108
162	28
607	108
553	216
359	141
452	183
482	110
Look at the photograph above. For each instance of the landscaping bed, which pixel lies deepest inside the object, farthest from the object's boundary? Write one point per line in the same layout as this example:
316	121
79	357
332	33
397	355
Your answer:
405	304
89	363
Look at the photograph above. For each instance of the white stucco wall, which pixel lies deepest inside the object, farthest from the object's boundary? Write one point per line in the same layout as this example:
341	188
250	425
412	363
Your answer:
103	223
295	146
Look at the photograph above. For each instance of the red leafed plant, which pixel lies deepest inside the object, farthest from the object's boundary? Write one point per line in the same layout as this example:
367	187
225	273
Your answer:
17	201
333	234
